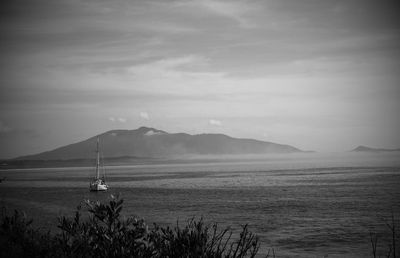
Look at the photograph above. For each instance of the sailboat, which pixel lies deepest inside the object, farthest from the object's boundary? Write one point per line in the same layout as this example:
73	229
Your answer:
98	184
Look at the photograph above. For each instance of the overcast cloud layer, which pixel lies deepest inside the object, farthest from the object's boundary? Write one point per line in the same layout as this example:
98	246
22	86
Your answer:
316	74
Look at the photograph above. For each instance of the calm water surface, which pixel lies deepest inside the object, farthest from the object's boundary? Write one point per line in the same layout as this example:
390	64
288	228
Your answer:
310	205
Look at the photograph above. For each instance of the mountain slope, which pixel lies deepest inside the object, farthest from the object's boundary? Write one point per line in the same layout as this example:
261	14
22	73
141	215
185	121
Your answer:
368	149
150	142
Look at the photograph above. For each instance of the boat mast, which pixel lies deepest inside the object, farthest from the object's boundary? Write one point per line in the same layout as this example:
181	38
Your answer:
97	160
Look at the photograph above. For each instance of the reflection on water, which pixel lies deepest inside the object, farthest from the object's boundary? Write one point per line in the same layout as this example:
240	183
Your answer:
307	206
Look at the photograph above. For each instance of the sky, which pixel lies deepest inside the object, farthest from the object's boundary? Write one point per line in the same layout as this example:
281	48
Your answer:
319	75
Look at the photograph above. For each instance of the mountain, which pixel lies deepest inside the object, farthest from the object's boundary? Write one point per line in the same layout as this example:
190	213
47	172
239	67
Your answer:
147	142
368	149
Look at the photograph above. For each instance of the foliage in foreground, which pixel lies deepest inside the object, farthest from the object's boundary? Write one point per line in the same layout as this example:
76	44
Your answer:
391	248
106	234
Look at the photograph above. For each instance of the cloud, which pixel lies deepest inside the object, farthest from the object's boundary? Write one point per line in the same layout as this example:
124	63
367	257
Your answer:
187	74
168	66
4	128
229	9
118	119
165	27
215	122
144	115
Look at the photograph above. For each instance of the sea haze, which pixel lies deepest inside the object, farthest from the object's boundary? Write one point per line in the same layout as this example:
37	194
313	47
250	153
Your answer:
303	205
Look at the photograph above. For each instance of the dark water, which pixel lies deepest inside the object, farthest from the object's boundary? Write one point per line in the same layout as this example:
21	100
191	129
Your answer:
302	206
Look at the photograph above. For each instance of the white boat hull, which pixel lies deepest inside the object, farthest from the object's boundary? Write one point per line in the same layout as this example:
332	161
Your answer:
97	186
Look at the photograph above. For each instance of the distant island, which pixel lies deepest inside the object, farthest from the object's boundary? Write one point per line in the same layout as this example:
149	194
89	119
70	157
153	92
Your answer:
368	149
144	143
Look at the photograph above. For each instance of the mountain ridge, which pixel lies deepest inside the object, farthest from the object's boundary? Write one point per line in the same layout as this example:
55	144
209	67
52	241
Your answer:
147	142
363	148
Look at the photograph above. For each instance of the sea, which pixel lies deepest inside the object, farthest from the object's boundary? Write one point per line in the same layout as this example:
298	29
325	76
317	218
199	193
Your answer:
300	205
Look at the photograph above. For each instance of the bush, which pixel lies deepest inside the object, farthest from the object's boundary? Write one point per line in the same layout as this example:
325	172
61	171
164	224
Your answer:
106	234
17	239
393	242
199	240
